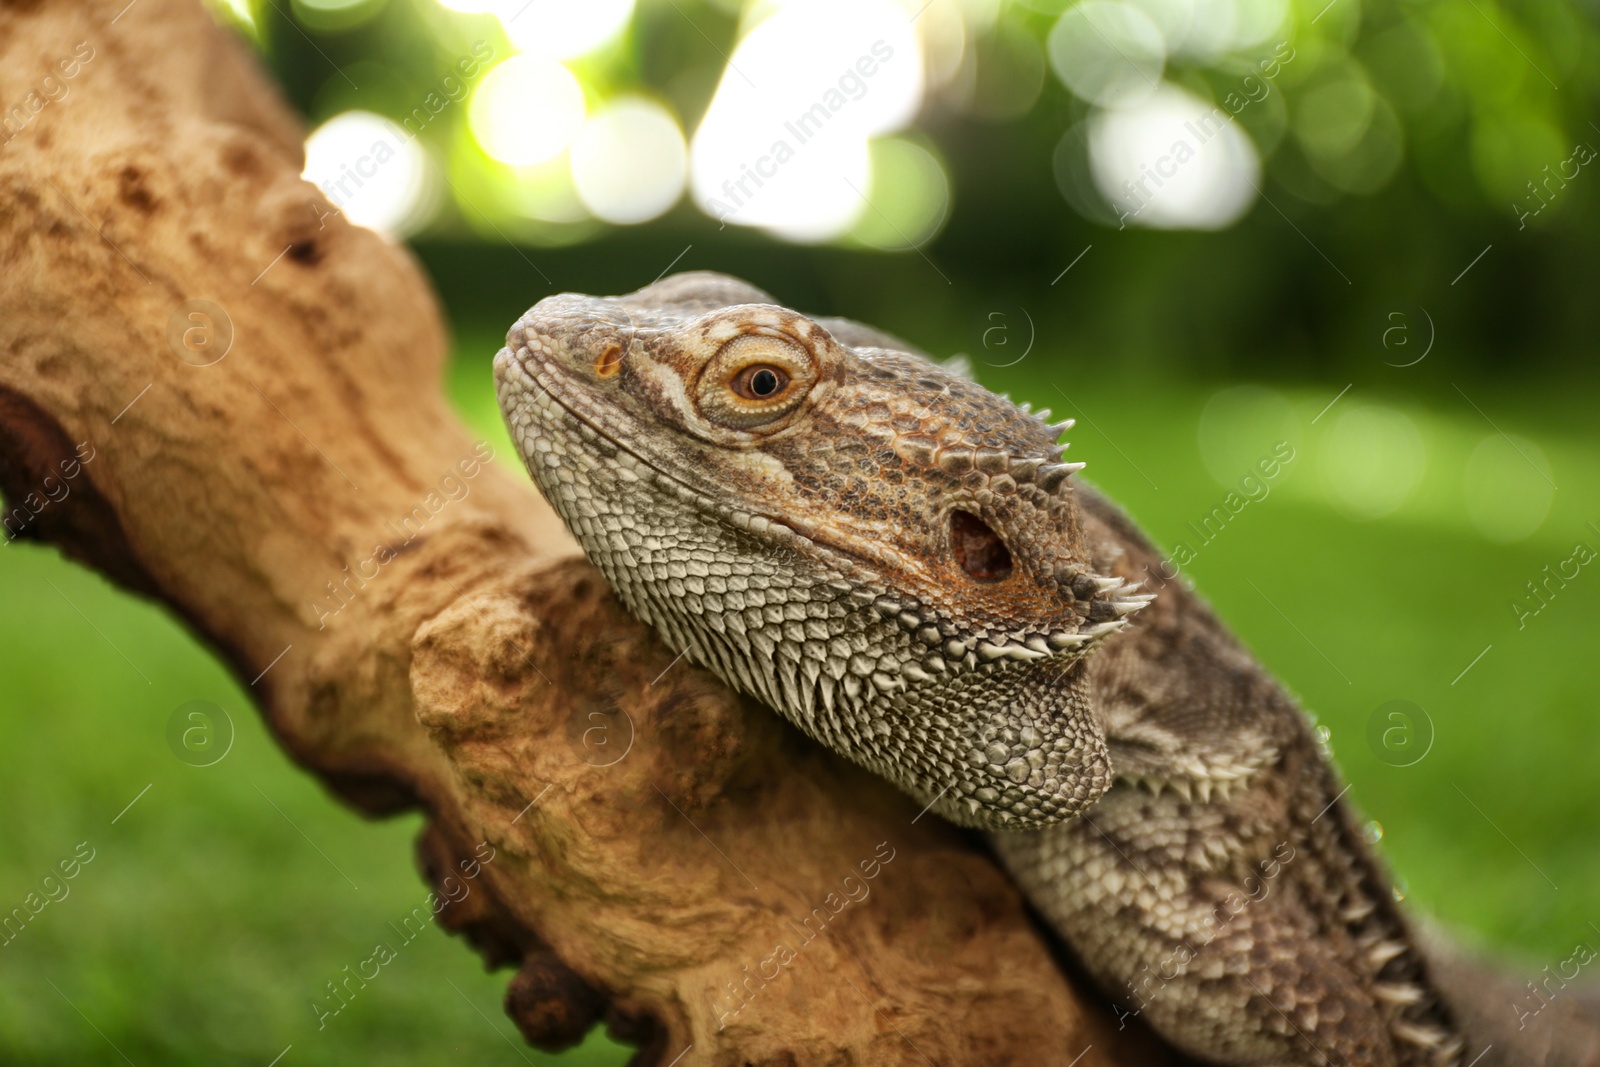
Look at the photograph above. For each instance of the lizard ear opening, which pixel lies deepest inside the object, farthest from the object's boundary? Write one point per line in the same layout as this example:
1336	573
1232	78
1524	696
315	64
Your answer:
978	549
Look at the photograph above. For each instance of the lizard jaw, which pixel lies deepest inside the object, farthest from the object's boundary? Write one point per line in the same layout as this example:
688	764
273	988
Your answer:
1033	766
979	709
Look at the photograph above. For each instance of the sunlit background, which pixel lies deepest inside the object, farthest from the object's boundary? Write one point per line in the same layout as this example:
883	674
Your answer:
1359	233
551	120
980	145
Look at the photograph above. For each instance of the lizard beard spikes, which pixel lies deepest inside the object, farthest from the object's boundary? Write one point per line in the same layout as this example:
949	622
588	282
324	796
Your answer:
898	562
882	551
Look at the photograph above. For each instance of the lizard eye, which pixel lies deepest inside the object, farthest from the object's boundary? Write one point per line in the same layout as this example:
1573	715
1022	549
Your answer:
760	381
978	549
755	381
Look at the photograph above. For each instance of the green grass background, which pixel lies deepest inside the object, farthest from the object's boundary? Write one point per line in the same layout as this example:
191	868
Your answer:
209	919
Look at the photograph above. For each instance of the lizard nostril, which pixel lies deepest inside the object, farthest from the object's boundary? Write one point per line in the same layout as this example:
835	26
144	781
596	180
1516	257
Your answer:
609	361
978	548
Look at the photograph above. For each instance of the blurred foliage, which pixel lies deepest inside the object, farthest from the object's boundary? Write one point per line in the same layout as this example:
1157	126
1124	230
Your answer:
1402	139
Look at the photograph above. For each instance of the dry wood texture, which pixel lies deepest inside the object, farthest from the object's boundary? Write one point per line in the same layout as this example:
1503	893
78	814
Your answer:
724	884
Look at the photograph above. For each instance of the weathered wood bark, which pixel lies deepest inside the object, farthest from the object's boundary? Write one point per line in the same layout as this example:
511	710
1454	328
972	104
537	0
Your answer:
478	668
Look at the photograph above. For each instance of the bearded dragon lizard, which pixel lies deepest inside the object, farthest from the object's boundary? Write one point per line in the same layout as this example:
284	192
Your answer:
901	563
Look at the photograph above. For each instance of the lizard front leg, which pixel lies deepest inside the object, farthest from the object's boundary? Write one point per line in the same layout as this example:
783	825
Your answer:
1224	925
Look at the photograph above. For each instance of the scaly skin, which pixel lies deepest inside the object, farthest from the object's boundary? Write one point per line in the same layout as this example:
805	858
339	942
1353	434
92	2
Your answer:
1158	795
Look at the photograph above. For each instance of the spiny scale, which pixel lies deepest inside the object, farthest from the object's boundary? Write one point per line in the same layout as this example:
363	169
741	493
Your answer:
814	566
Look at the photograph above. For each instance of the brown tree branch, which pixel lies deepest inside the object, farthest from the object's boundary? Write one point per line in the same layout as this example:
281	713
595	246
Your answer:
667	857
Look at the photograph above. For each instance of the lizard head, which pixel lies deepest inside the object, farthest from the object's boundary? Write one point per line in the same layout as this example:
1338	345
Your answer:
881	550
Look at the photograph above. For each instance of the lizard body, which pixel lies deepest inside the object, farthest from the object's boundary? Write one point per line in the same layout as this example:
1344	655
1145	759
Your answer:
901	564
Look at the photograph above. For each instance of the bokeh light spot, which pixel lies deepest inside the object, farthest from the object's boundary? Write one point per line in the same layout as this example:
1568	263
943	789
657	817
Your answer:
1107	52
1509	152
629	163
1172	17
1240	427
1218	27
783	145
1002	73
909	197
1173	162
1509	488
373	171
1369	164
563	28
1333	113
526	110
1372	459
